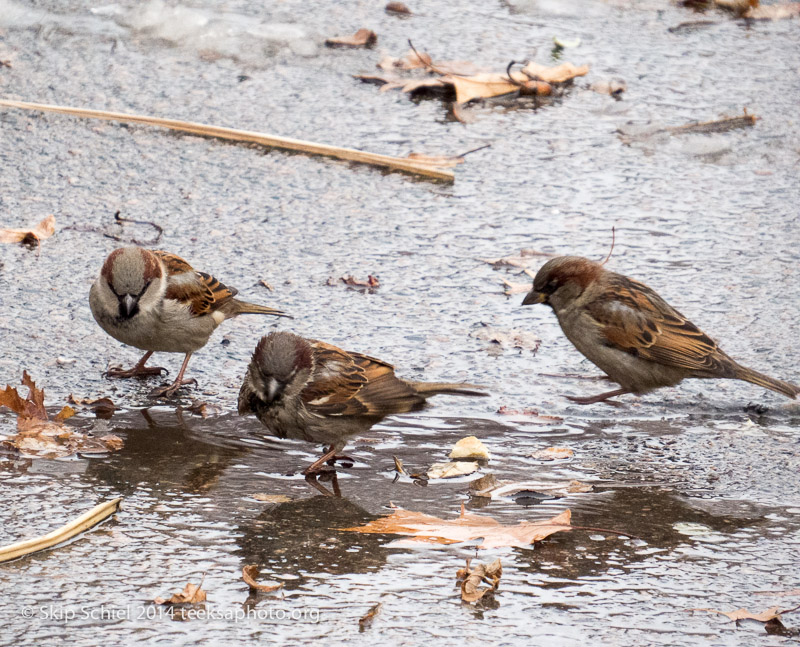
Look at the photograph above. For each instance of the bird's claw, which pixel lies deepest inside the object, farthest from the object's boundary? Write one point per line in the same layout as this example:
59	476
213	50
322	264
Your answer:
171	389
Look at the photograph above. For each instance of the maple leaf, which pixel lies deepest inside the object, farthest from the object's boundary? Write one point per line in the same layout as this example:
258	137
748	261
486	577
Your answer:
467	526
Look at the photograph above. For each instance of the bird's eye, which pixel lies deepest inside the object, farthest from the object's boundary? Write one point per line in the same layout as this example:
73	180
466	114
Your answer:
551	286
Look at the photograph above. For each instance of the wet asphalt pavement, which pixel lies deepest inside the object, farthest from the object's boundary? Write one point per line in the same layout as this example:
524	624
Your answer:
706	474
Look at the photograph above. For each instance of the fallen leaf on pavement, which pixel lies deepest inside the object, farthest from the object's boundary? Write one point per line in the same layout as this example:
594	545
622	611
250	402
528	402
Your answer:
249	575
191	594
472	578
362	38
367	619
397	8
451	470
39	436
425	528
494	489
558	74
32	236
470	447
553	453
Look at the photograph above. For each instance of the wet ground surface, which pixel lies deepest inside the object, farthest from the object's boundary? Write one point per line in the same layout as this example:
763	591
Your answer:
709	221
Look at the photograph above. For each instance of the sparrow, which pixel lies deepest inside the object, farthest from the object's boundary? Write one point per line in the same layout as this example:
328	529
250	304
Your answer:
627	330
157	302
305	389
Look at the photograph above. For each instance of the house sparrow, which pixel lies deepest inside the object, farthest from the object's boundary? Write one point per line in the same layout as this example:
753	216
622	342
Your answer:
309	390
631	333
155	301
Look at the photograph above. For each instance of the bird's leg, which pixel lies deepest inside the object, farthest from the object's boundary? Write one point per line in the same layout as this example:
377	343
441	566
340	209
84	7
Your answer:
169	391
316	467
603	397
311	479
138	370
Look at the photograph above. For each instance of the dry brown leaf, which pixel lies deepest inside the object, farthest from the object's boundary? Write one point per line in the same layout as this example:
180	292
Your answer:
426	528
410	61
367	619
553	453
103	407
515	288
249	575
504	410
362	38
472	578
191	594
480	86
39	436
452	469
773	11
397	8
558	74
744	614
32	236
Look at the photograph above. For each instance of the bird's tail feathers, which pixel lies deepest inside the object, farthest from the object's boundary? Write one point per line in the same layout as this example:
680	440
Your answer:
245	308
749	375
427	389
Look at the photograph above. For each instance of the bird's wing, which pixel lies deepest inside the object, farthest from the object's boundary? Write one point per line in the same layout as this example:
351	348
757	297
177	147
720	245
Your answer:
633	318
201	292
351	384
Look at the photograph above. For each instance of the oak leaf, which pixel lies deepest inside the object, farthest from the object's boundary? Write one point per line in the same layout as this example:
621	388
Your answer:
425	528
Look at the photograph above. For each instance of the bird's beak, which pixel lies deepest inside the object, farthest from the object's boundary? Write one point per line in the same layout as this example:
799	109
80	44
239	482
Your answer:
274	389
533	297
129	304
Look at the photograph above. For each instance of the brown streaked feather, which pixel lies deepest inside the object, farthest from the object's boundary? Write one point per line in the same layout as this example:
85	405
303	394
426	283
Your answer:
174	264
351	384
633	318
200	291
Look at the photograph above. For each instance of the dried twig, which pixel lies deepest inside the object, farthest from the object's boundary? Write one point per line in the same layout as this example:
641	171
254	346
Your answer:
273	141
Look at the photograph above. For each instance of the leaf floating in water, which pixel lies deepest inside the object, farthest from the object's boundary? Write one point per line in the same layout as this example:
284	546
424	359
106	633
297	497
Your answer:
249	575
470	447
452	469
472	578
425	528
365	621
191	594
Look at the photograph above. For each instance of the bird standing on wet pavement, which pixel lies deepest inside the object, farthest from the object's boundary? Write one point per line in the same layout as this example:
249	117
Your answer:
309	390
631	333
157	302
